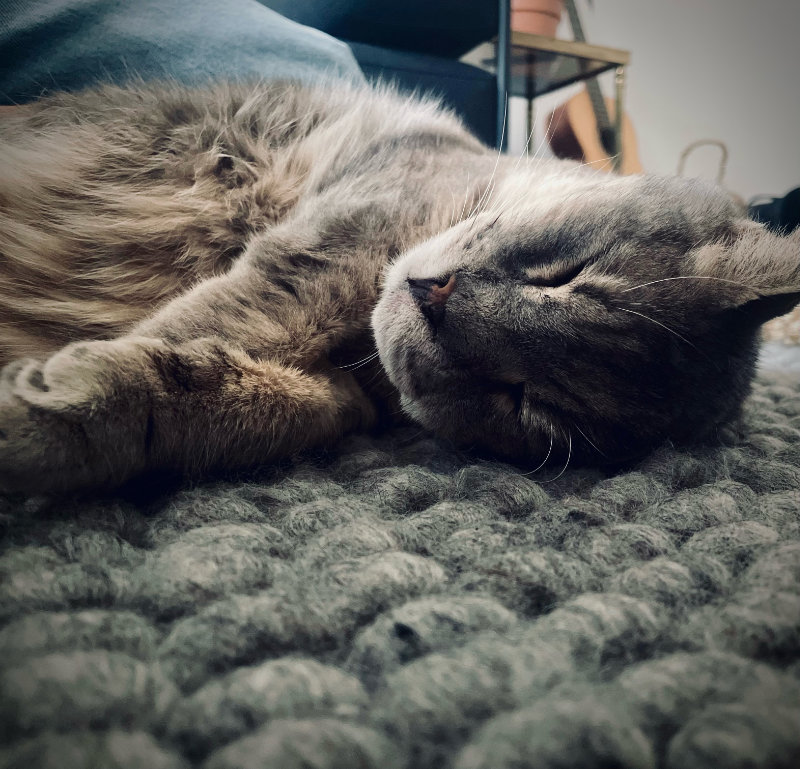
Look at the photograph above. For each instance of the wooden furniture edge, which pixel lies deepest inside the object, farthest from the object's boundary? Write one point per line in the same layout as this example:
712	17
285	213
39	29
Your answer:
616	56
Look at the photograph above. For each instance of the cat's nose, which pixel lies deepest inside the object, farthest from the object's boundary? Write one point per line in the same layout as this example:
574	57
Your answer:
431	296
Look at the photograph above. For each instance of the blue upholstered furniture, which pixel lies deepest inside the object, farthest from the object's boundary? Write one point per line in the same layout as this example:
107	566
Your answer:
70	44
416	44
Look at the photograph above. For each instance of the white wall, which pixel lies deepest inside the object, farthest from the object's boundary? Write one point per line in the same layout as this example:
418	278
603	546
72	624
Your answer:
723	69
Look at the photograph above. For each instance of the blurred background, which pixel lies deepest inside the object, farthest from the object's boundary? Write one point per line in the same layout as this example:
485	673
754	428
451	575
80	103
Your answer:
700	69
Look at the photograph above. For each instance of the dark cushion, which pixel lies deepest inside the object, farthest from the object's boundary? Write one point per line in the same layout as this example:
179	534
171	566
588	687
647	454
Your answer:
779	214
470	91
442	27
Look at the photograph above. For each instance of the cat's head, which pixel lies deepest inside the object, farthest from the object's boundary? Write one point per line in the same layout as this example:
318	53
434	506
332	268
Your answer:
584	315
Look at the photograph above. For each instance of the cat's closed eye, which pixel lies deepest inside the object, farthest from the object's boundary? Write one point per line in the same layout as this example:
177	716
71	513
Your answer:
554	276
508	396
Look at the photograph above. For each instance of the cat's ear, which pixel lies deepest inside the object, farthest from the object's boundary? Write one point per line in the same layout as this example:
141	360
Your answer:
758	271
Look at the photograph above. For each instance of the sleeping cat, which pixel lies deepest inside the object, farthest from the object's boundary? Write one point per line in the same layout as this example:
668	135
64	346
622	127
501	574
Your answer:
195	280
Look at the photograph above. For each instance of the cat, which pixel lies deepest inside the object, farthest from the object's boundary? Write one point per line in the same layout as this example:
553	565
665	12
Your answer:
205	279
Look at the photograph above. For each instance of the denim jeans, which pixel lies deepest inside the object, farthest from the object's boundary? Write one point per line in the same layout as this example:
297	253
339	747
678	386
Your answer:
70	44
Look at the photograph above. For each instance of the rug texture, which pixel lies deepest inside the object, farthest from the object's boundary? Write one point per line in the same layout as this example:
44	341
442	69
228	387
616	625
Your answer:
395	605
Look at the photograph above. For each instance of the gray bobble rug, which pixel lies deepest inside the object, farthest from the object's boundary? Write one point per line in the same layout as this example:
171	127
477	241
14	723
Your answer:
395	605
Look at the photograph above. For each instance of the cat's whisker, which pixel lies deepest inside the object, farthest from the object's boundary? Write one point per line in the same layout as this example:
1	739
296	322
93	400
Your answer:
466	199
453	212
376	375
464	205
488	198
358	363
685	277
524	153
545	137
547	456
474	218
621	266
549	133
540	145
478	207
537	156
612	158
378	372
662	325
590	441
566	464
600	160
497	161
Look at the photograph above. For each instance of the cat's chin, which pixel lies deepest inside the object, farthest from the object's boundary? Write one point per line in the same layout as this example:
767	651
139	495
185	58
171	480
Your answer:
433	392
464	420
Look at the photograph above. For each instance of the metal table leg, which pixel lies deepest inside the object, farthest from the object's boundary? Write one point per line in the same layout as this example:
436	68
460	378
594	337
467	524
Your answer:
503	78
529	97
619	81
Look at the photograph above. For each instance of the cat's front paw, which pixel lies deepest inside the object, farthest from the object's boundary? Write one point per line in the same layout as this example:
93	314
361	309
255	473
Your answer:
58	421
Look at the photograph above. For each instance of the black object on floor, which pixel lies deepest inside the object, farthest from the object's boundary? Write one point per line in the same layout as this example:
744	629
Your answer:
779	214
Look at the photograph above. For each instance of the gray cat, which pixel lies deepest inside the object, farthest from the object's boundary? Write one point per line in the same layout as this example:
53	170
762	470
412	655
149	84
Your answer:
195	280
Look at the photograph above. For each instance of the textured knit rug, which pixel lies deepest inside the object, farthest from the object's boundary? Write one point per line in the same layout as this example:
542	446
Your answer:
397	605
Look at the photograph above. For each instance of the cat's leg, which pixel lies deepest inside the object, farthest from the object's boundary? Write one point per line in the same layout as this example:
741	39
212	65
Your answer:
98	413
212	381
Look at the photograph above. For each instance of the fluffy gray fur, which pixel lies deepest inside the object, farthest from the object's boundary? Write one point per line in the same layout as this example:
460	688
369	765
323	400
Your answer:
212	259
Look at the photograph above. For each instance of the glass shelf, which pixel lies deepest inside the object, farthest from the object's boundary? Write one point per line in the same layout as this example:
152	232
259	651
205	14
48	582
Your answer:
539	65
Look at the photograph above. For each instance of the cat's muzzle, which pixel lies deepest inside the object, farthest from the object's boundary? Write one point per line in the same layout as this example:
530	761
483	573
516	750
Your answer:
431	297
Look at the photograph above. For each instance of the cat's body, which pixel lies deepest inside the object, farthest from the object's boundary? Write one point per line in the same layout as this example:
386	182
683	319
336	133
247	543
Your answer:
222	251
